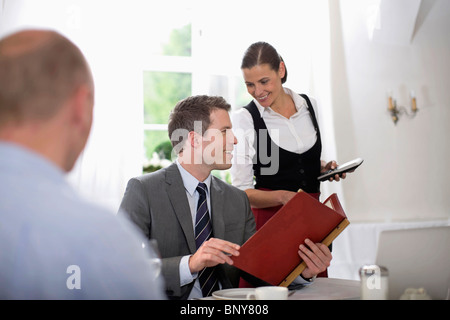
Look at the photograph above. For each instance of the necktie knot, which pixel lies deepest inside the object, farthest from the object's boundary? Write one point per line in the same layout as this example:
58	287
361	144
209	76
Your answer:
202	188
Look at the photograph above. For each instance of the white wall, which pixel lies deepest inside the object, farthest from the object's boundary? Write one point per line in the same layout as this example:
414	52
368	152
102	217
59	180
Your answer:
404	176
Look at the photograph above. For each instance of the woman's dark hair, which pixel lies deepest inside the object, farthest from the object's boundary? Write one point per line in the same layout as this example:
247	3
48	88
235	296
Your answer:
262	53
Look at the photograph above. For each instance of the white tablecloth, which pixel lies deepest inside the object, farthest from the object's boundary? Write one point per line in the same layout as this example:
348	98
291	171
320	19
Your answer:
329	289
357	245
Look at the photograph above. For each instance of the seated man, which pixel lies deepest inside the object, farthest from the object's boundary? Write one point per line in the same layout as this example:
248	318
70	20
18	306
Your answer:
198	220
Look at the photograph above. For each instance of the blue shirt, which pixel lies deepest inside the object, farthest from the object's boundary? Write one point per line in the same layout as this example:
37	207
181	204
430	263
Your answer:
55	245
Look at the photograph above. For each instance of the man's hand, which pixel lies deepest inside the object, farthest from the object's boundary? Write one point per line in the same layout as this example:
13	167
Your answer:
317	258
211	253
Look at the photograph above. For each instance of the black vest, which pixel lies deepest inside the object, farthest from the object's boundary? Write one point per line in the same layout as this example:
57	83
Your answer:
294	171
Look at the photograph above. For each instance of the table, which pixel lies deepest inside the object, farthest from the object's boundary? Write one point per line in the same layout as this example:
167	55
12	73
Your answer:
322	289
329	289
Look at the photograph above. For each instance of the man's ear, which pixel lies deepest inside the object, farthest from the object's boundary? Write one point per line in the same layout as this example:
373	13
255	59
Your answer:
81	104
194	139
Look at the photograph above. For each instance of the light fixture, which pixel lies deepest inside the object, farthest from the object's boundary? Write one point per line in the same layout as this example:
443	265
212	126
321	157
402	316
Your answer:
395	111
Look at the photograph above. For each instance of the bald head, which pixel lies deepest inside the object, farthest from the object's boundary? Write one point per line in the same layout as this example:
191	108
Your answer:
39	70
25	41
46	95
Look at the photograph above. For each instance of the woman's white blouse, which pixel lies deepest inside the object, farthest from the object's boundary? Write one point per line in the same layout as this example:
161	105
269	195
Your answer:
296	134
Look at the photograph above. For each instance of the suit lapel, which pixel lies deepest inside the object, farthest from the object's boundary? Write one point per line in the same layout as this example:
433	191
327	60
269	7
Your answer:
217	210
177	195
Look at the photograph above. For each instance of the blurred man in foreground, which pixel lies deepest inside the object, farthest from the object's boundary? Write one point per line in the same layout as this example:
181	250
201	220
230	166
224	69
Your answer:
53	244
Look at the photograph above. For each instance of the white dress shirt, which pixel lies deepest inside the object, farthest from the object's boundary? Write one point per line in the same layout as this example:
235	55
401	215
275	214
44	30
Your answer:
296	134
190	185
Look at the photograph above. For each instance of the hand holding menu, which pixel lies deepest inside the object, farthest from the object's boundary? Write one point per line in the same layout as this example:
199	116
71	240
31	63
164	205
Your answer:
271	254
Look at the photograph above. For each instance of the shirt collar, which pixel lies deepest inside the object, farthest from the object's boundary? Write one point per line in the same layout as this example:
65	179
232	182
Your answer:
299	102
189	181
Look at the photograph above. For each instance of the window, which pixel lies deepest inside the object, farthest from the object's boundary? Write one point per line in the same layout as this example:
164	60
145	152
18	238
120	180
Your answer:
175	69
165	83
162	90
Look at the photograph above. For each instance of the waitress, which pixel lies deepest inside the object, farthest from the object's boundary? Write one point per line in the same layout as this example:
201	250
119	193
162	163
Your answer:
279	137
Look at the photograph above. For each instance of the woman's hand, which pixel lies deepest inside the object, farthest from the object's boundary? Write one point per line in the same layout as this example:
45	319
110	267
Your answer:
325	167
265	199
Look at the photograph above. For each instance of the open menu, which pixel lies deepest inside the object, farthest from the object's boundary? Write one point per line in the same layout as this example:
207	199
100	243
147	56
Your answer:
271	254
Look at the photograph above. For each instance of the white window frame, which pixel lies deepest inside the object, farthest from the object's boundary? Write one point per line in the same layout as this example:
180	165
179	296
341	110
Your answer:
192	65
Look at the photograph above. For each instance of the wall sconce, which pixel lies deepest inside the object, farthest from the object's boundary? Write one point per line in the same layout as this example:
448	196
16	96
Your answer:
395	111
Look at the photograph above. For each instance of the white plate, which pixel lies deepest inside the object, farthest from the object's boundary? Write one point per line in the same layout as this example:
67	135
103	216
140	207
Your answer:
233	294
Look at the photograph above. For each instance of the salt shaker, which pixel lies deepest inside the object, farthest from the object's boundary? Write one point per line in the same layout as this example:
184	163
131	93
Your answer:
374	282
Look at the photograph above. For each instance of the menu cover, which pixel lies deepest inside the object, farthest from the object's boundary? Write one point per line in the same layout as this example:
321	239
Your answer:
271	254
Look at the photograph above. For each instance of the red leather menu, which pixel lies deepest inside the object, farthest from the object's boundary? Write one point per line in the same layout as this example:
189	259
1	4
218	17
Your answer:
271	254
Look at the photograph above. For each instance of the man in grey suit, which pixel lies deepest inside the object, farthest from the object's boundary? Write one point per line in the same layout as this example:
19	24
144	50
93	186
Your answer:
166	204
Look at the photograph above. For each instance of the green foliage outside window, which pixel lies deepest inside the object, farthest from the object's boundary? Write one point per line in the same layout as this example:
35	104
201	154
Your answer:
162	90
179	43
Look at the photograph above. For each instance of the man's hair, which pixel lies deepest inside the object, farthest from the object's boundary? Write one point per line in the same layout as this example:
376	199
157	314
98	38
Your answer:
189	112
37	76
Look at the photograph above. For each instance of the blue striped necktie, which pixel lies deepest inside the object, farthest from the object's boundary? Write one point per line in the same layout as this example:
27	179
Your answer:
203	231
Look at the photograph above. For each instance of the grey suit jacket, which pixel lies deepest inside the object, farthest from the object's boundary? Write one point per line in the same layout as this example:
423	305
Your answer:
158	205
